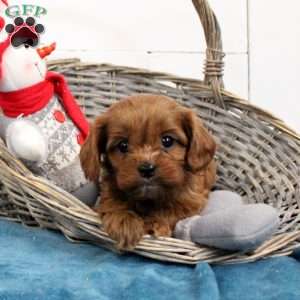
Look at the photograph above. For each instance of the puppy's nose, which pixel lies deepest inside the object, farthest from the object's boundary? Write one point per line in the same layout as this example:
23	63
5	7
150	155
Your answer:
146	170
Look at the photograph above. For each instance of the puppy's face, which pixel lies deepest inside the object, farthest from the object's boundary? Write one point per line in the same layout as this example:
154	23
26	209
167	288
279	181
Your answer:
149	146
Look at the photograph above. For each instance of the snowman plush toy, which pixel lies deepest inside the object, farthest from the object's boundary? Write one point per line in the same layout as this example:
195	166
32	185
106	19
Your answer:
41	122
44	127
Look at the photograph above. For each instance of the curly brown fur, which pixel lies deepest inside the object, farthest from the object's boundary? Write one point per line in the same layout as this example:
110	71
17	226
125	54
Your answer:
131	204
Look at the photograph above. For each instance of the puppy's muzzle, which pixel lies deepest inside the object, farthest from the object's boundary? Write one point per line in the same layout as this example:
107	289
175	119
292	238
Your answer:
147	170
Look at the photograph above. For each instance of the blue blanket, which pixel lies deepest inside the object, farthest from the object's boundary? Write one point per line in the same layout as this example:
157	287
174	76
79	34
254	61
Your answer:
42	265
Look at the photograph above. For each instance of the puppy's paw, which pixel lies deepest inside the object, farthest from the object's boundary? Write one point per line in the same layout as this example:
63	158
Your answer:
157	228
126	228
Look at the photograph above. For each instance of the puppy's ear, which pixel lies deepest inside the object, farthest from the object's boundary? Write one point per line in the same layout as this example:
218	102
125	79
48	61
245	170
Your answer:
201	145
93	147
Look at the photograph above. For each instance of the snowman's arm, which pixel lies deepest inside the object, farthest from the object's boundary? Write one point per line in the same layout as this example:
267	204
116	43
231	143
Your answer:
26	141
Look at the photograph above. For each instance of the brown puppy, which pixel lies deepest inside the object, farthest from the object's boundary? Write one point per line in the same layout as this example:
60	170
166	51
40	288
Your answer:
157	166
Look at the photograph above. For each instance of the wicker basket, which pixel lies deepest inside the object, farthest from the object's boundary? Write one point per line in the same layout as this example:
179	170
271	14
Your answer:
258	156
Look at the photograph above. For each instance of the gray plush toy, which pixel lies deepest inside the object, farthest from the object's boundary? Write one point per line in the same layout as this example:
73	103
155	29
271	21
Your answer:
227	223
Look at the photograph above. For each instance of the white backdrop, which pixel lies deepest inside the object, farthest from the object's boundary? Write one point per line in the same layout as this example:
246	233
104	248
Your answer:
261	41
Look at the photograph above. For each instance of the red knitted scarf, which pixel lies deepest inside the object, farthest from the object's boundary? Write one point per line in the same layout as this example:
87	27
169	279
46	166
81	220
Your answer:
34	98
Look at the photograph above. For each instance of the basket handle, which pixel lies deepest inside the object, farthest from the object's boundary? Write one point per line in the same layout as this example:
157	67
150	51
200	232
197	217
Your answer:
214	53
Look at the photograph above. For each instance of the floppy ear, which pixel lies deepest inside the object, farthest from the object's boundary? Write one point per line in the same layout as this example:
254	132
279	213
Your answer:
93	147
201	145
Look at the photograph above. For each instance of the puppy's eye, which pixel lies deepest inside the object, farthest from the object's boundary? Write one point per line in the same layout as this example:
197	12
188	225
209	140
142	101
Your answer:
123	146
167	141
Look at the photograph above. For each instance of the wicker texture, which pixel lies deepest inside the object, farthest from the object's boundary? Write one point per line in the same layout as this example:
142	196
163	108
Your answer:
258	156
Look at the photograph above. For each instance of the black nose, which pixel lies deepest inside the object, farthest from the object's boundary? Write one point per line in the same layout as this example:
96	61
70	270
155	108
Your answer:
146	170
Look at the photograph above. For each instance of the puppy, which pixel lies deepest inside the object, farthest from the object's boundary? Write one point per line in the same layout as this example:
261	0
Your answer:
157	166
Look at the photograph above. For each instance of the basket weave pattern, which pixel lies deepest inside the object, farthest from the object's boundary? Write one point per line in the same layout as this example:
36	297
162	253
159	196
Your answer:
258	156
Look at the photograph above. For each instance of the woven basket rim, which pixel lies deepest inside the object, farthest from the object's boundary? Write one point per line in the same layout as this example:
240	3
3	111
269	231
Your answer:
197	83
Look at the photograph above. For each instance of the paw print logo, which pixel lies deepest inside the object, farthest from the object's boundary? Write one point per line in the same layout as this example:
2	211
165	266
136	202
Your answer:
24	32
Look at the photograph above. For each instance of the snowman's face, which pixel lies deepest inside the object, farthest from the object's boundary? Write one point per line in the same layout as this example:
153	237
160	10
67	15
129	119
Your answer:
22	67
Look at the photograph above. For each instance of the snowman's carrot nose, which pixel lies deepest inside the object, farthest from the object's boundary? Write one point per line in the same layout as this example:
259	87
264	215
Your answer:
45	51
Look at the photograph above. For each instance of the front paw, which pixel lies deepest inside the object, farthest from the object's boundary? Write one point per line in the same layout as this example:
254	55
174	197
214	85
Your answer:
158	228
126	228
